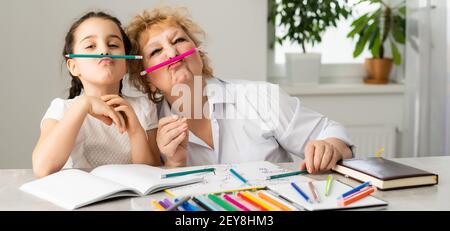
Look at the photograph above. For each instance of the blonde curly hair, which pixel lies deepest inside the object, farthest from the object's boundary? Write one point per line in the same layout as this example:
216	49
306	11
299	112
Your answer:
144	21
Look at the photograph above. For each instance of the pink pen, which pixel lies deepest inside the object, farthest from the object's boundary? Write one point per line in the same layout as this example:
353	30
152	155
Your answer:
171	60
235	202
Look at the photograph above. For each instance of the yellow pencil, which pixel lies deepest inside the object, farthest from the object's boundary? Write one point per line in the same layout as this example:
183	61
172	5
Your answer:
379	152
253	188
274	201
156	204
259	202
169	192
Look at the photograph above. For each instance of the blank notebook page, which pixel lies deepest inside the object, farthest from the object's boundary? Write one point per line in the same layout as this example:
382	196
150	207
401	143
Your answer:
72	188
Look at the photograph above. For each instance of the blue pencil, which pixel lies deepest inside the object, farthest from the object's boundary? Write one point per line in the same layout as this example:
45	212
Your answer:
187	206
236	174
301	192
179	203
355	189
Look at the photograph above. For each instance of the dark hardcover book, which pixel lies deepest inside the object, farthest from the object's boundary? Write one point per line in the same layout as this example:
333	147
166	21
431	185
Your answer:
385	174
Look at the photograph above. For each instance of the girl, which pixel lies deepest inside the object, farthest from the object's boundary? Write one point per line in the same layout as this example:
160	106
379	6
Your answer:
287	128
78	132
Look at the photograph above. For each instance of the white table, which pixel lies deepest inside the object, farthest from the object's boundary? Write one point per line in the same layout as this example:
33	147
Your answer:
422	198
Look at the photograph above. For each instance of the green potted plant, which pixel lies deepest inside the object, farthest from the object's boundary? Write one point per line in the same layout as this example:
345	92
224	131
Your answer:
376	31
305	22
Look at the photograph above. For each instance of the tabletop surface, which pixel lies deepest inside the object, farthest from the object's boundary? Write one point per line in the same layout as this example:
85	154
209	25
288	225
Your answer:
421	198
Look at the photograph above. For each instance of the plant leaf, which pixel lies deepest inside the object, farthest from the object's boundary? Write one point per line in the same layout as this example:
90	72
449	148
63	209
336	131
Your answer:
395	54
375	50
359	25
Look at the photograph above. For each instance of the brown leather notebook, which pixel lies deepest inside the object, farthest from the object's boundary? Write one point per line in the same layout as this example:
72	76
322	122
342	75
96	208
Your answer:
385	174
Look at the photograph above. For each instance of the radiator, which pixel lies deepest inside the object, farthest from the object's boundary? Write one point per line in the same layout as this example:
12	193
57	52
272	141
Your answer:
368	139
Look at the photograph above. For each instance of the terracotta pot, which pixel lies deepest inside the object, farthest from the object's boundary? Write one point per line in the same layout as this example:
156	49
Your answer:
378	70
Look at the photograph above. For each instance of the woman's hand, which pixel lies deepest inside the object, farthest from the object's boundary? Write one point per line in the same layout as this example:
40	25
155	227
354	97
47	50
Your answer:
97	108
320	156
172	138
121	106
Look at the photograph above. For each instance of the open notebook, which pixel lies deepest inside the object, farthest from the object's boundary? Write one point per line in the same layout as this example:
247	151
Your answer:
222	180
329	202
73	188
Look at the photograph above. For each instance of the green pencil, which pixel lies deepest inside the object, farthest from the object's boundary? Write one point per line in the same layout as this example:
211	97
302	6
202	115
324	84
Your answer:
187	172
71	56
222	203
287	174
328	185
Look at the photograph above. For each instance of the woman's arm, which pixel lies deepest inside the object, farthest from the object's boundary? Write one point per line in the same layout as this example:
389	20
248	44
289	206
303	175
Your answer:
300	130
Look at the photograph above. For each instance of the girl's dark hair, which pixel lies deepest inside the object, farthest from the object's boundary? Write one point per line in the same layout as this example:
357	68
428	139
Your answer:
77	86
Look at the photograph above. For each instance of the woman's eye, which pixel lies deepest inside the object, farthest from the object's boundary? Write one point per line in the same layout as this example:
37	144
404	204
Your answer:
155	52
179	40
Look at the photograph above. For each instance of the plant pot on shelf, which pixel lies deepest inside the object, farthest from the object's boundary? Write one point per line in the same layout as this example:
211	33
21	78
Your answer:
303	68
378	70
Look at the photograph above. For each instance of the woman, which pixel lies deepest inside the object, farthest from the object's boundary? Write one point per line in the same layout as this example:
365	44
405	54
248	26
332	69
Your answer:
224	122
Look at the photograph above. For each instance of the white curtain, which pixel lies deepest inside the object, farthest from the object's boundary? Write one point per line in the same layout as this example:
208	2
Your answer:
427	79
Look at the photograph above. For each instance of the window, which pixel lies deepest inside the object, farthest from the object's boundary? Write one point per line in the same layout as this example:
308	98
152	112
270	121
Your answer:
335	47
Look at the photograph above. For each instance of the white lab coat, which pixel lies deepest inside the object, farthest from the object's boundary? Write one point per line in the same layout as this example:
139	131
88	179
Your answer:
253	121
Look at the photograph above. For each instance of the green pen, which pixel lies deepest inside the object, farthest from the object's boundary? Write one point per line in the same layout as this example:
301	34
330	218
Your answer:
222	203
71	56
286	174
187	172
328	185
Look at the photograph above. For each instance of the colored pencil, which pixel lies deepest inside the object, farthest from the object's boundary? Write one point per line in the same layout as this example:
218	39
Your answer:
187	172
72	56
237	175
286	174
179	203
256	201
357	196
235	203
273	200
225	205
170	61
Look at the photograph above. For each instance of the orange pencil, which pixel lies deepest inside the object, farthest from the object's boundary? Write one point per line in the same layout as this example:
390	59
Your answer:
256	201
274	201
357	196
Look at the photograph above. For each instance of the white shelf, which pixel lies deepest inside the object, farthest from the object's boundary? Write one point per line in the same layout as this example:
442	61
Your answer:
343	89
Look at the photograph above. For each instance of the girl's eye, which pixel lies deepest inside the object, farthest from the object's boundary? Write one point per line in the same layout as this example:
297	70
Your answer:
113	45
155	52
179	40
90	47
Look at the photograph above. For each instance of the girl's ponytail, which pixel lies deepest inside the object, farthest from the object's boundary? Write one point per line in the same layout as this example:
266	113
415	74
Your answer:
76	87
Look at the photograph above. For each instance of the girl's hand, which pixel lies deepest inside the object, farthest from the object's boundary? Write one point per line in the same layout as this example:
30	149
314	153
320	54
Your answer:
172	139
320	156
121	106
100	110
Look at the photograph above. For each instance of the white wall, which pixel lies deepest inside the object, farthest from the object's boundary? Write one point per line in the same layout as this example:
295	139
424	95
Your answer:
31	40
